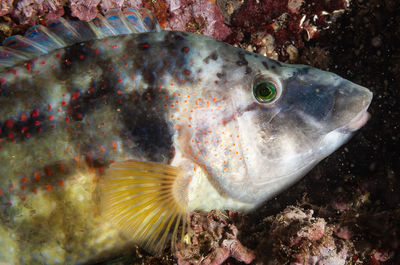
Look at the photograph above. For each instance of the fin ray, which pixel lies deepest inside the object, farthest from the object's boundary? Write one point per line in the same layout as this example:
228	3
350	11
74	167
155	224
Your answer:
145	201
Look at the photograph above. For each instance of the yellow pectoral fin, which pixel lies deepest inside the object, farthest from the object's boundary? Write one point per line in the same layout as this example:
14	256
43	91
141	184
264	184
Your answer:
146	201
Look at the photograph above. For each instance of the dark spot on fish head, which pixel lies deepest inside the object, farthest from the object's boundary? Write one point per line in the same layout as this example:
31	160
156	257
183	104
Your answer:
242	59
248	70
265	65
213	56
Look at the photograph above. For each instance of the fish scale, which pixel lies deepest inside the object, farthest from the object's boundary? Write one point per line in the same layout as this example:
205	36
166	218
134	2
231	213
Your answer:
113	130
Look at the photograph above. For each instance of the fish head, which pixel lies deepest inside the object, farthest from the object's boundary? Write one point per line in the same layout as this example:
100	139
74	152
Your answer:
285	119
294	118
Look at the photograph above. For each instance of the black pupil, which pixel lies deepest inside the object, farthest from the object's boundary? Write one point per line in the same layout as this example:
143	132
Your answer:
264	90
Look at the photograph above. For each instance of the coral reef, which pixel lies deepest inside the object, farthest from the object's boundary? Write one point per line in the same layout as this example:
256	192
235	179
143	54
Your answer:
198	16
276	27
210	240
295	236
305	239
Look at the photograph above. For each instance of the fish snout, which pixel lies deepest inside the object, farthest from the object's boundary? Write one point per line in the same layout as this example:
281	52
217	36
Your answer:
352	104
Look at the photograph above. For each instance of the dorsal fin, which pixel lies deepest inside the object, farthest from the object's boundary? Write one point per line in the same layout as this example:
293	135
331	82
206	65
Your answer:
59	33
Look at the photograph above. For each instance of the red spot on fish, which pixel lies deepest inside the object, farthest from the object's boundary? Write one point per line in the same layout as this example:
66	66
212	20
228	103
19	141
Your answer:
24	180
49	107
67	62
43	62
24	129
35	113
37	123
40	130
67	119
96	51
1	192
53	66
15	72
36	176
115	146
62	167
187	72
47	171
51	117
63	103
185	49
2	81
9	123
61	183
58	55
144	45
28	67
35	191
27	135
48	187
111	69
75	95
81	56
102	149
22	117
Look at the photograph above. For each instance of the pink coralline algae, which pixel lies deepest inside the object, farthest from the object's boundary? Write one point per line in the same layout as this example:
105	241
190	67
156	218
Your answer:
27	11
84	10
197	16
213	239
88	9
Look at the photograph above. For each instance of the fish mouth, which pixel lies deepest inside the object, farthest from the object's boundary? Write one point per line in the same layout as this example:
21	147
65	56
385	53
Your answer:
363	100
357	122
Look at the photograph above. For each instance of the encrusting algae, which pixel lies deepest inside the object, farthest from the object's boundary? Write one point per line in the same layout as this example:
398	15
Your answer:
113	130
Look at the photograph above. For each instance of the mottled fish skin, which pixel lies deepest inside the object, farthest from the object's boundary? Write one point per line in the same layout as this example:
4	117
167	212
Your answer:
170	97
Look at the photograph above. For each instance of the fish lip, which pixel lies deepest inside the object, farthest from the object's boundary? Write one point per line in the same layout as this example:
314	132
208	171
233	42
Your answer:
357	122
361	118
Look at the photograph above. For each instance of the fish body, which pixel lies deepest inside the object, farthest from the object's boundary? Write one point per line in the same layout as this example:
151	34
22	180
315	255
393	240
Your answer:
96	132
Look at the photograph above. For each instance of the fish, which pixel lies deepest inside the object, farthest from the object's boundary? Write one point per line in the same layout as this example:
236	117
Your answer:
111	131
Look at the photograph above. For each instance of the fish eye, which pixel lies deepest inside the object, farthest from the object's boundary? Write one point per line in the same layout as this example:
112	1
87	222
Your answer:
266	90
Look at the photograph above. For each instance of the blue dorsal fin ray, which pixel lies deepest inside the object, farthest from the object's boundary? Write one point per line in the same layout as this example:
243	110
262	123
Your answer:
60	33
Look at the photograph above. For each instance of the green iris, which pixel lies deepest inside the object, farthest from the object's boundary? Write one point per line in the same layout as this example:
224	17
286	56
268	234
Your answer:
265	91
